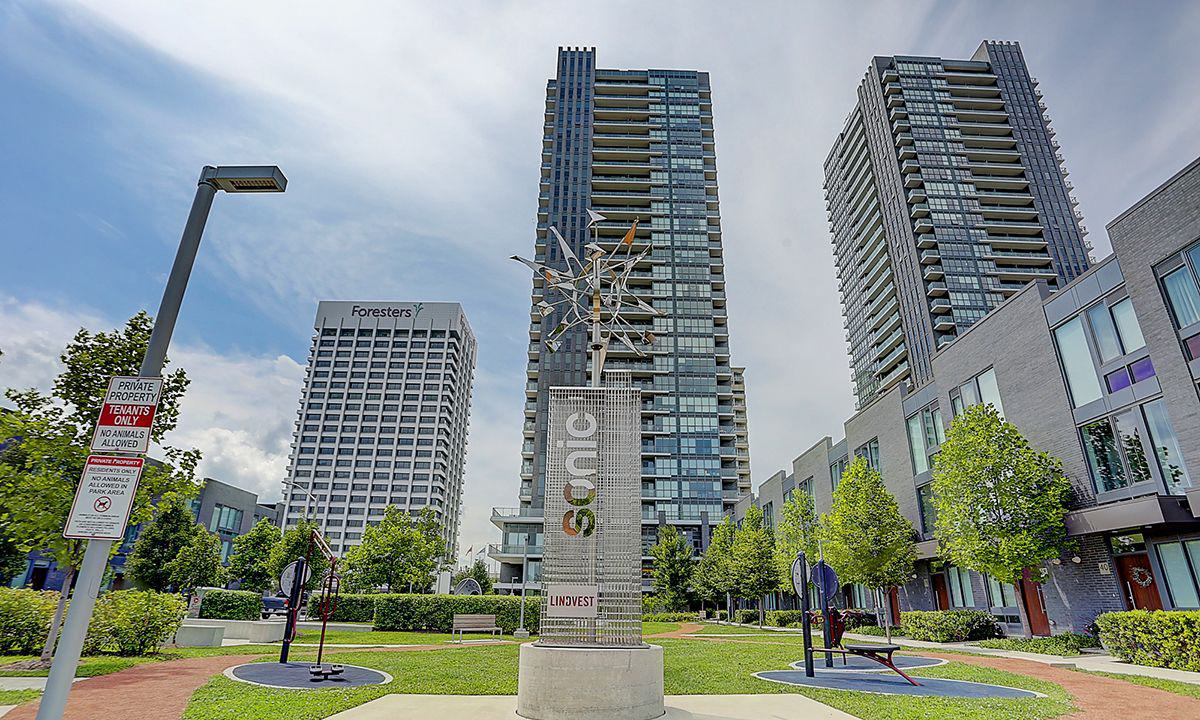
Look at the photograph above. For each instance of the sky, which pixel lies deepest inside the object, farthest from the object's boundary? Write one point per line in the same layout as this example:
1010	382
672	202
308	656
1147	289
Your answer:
410	134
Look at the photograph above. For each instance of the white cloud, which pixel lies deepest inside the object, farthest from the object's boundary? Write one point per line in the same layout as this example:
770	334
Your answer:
238	410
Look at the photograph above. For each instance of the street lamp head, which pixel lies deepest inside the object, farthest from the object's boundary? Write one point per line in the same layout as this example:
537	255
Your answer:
244	178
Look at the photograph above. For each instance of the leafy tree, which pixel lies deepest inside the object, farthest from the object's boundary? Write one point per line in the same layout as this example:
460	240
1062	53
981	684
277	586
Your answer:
1000	503
250	562
754	559
397	553
797	531
477	571
41	468
867	539
297	542
160	542
713	577
673	568
198	563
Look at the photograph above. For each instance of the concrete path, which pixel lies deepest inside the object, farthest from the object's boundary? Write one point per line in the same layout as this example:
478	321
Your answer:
679	707
153	691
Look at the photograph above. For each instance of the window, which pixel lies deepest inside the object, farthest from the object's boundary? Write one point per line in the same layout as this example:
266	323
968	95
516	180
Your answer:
981	388
858	596
870	451
1166	447
1127	326
836	469
989	391
1183	296
916	445
927	508
1001	594
925	436
959	581
1115	451
225	519
1077	362
1105	332
1180	563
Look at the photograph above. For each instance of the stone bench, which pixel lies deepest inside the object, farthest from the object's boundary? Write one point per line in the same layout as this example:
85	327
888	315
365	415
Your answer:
199	636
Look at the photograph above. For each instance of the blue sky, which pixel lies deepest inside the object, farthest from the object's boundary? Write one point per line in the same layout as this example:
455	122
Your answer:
410	135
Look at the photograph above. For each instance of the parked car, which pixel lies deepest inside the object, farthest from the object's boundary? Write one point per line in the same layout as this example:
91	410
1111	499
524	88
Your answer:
274	605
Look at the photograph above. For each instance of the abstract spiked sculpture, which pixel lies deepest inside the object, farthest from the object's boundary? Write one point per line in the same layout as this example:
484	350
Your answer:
594	291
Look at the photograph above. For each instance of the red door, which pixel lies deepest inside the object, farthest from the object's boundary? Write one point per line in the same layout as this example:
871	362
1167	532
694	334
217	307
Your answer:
894	601
1138	583
1039	622
941	594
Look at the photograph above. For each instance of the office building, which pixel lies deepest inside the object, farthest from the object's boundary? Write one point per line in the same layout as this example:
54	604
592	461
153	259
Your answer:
383	417
638	146
946	194
1102	374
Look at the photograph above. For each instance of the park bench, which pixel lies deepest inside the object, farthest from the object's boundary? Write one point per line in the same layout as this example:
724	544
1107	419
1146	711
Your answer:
881	654
474	623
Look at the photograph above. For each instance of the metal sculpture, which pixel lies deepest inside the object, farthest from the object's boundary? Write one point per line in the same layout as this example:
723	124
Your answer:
594	291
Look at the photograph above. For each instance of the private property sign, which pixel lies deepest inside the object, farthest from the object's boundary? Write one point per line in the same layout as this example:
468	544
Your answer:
104	498
570	600
127	415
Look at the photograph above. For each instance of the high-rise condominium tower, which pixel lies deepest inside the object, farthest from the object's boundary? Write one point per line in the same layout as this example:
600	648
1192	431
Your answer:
383	417
946	194
637	145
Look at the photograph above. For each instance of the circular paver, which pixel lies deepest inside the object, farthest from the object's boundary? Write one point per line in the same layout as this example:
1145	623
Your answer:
862	664
891	684
297	676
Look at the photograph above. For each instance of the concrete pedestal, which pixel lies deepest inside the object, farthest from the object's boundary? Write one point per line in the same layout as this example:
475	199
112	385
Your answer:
568	683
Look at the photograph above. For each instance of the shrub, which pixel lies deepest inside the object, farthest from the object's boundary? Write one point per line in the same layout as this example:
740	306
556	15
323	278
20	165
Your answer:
745	617
856	619
1159	638
133	622
669	617
654	605
878	631
25	619
350	608
950	625
231	605
720	614
435	613
784	618
1066	644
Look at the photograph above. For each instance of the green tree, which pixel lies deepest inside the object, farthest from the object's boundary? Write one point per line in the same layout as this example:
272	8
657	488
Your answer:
160	542
867	540
398	553
713	578
797	531
40	471
673	568
297	542
198	563
250	563
1000	503
478	572
754	559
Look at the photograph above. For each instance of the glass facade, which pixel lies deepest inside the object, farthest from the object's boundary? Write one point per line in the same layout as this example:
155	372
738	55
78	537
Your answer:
1071	340
1180	562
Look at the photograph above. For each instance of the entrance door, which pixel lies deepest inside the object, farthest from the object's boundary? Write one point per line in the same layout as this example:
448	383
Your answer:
1138	583
941	594
1039	622
893	596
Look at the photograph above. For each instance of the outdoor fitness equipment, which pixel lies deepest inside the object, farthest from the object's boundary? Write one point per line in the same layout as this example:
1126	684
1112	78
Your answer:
834	626
327	604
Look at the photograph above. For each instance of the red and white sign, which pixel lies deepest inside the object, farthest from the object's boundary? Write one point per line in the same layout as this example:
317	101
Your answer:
127	415
104	498
569	600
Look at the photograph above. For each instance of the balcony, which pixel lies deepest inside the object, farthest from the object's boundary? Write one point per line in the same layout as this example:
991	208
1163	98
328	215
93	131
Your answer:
929	257
936	289
926	241
940	305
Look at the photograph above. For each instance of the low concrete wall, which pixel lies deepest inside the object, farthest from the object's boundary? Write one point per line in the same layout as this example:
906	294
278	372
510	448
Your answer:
256	631
199	636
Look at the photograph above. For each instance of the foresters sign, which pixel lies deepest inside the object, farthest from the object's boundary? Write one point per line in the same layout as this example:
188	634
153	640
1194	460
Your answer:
127	415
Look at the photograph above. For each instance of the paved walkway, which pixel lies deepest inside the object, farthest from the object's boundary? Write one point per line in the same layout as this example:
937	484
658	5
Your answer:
153	691
679	707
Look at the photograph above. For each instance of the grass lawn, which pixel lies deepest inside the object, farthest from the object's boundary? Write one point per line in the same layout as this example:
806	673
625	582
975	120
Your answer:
654	628
94	665
381	637
1179	688
16	697
692	667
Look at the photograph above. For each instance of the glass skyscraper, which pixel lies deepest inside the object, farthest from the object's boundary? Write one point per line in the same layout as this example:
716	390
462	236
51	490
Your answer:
638	145
946	193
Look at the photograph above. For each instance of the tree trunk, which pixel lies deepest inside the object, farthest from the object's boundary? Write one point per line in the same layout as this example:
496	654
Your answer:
56	621
761	604
887	613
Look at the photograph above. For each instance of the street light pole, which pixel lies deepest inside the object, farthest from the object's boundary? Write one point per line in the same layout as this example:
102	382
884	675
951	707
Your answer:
95	557
521	633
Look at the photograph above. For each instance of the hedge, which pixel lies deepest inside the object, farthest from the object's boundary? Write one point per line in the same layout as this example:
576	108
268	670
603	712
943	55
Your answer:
669	617
950	625
1159	638
25	620
350	608
784	618
435	613
231	605
1067	644
133	622
745	617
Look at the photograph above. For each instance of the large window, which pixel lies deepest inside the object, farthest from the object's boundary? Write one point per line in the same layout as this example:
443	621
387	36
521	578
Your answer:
1166	447
870	451
1001	594
225	519
836	469
1180	563
1077	362
925	436
927	508
959	581
1183	296
981	388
